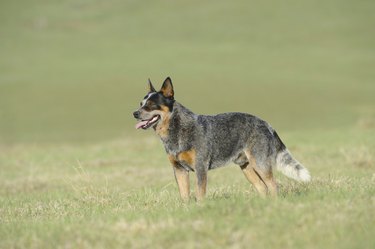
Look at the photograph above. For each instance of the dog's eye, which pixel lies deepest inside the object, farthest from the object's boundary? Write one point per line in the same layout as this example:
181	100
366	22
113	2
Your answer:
151	105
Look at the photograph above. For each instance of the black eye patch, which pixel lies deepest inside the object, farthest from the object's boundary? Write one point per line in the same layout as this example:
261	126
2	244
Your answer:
151	106
155	101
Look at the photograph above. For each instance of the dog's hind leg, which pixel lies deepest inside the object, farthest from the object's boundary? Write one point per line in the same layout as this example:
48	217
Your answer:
247	166
254	178
263	169
270	182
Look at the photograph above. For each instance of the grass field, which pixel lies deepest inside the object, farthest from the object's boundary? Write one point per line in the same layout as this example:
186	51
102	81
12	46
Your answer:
122	194
75	174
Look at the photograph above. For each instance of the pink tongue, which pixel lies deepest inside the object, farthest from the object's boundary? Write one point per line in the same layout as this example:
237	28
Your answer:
140	124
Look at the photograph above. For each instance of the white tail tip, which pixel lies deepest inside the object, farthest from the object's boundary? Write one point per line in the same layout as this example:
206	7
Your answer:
304	175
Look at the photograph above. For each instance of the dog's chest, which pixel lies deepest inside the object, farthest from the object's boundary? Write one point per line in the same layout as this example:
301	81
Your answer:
174	146
180	138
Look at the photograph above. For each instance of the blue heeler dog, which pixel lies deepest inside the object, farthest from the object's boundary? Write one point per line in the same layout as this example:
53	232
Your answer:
199	143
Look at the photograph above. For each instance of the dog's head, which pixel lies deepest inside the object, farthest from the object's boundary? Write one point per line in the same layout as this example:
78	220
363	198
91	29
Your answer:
155	106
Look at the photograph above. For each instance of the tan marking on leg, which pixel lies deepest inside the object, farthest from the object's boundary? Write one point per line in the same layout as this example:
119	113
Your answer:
182	179
253	176
188	157
266	178
270	183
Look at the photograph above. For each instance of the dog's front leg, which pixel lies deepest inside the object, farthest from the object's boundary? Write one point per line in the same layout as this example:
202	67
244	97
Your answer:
182	179
201	182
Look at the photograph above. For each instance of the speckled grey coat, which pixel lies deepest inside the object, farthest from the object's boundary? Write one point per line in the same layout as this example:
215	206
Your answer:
203	142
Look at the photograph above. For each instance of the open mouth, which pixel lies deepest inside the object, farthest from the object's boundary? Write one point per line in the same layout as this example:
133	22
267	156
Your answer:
145	124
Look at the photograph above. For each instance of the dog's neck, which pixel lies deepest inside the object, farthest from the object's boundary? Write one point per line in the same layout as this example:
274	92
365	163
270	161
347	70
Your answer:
174	124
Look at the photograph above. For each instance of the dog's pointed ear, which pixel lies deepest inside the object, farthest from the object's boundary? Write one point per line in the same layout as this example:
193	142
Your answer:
151	88
167	88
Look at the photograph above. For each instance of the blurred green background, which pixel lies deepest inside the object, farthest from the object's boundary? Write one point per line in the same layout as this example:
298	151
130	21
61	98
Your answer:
73	71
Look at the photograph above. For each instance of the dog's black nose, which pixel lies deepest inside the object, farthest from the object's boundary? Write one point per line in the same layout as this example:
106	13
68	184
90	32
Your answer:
136	114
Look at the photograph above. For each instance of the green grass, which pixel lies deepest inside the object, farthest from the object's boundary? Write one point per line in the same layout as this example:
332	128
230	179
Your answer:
122	194
74	173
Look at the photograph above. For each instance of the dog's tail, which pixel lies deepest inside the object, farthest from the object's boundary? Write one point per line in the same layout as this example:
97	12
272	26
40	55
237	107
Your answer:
288	165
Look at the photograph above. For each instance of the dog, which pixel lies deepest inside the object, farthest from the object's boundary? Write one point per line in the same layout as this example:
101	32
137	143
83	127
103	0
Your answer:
199	143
